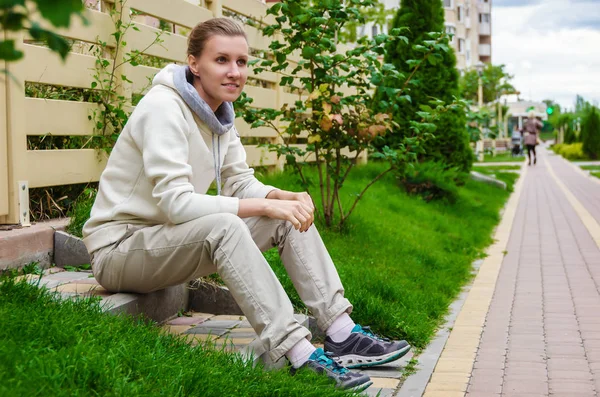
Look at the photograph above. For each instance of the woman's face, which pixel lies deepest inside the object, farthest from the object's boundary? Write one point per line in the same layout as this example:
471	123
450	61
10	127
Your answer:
222	69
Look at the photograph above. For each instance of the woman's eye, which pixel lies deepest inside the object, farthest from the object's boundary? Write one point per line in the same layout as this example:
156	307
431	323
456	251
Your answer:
241	62
221	59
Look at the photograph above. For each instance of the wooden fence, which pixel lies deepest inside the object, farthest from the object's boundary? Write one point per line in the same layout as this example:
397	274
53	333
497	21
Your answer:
29	117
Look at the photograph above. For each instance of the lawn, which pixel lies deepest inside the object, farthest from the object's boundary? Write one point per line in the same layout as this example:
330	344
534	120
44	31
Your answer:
594	169
496	167
502	157
49	348
402	260
500	172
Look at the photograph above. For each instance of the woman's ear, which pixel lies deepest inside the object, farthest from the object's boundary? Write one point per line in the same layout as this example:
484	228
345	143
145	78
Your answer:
193	64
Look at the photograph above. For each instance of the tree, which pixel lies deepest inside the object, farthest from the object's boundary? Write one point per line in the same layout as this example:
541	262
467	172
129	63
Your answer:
15	16
590	132
567	122
334	111
377	14
438	78
580	104
495	82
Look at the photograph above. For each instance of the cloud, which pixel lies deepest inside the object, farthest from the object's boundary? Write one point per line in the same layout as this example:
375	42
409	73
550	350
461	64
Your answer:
549	63
560	14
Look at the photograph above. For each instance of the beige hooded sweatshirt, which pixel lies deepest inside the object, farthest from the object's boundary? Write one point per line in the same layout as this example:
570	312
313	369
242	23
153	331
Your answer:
164	161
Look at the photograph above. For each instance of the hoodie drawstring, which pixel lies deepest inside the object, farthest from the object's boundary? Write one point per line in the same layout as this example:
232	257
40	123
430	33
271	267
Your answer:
217	161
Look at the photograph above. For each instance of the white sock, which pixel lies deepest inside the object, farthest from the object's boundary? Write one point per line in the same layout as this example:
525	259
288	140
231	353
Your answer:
300	352
341	328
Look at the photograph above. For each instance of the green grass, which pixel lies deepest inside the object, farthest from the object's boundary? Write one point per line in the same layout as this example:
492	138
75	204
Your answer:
403	261
497	172
596	174
497	167
71	348
590	167
544	136
502	157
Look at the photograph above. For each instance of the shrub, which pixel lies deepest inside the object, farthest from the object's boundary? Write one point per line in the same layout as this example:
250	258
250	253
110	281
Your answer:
438	78
433	181
573	151
336	109
590	133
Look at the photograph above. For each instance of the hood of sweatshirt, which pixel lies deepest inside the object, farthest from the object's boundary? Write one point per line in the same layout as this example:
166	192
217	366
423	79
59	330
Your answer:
180	79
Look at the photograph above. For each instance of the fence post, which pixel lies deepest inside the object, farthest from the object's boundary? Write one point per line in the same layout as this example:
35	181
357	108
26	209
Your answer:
216	6
3	143
16	136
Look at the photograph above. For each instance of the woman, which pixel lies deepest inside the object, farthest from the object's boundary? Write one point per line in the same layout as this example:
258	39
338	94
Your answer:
531	129
153	225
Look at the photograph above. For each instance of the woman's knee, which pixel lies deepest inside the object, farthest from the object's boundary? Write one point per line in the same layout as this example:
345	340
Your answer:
225	226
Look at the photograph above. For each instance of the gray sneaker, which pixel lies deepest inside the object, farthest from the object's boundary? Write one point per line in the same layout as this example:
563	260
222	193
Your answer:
364	349
323	363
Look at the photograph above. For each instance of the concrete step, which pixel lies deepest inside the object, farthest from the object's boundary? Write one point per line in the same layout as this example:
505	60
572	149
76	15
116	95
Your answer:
229	332
20	246
158	306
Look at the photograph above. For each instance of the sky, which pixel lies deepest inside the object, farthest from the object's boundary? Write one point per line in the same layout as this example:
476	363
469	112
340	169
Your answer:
552	47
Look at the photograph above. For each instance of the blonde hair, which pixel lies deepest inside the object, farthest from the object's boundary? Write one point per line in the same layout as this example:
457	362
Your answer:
531	114
213	27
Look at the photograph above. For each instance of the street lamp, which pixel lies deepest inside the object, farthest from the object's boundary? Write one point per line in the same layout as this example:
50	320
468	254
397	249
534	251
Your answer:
479	66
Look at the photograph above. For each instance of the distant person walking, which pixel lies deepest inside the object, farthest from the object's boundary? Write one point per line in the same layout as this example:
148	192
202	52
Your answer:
516	140
531	131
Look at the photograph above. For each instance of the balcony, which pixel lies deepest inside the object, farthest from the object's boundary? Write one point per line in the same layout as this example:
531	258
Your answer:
485	50
485	29
484	7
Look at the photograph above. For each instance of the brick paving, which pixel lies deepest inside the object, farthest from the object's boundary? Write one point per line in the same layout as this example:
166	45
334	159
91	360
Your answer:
541	336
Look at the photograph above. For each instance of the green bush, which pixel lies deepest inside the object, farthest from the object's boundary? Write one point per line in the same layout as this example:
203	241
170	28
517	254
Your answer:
438	78
570	151
433	181
590	133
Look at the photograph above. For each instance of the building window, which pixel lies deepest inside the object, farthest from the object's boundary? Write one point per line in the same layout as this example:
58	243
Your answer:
484	18
450	30
459	13
461	46
447	3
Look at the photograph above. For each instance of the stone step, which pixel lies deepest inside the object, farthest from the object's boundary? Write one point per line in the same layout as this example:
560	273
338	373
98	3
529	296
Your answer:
20	246
229	332
158	306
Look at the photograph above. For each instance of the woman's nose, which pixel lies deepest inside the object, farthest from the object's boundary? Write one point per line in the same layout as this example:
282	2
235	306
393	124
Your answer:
234	71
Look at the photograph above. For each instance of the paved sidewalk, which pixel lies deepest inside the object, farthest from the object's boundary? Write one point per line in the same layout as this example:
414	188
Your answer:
541	335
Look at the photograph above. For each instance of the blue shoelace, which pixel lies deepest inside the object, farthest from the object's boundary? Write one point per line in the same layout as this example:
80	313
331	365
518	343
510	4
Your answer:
367	331
328	362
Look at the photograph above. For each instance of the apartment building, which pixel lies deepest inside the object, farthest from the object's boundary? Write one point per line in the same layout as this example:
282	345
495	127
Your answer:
470	23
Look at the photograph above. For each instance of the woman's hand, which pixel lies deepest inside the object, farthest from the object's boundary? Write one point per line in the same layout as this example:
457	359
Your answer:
298	213
302	197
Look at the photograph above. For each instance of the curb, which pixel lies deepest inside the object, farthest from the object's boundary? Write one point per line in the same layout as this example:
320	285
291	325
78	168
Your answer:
20	246
416	384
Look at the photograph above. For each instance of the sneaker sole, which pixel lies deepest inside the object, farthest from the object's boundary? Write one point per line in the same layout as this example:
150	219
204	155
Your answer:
352	361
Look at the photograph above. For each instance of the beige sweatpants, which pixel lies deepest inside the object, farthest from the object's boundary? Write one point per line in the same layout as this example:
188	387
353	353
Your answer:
153	258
